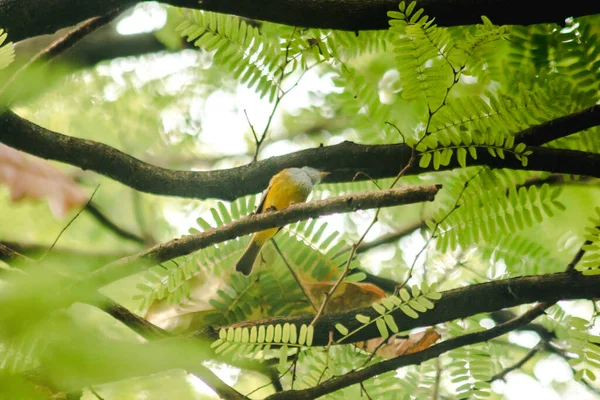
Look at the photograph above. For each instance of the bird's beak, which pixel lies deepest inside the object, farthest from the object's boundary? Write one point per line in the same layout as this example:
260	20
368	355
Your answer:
324	174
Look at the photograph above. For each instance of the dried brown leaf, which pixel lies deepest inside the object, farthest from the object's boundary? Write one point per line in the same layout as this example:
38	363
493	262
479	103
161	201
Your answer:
28	177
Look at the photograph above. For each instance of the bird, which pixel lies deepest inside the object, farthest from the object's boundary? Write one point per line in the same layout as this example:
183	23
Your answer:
289	186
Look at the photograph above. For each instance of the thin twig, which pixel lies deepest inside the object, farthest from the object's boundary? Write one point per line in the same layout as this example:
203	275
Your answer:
263	136
364	390
69	224
293	273
251	126
355	246
578	256
106	222
438	379
273	378
95	393
294	366
502	374
437	225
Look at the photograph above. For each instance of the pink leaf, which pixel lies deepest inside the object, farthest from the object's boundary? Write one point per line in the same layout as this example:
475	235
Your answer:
28	177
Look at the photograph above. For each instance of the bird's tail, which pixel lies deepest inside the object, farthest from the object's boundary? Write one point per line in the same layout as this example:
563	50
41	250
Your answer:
244	265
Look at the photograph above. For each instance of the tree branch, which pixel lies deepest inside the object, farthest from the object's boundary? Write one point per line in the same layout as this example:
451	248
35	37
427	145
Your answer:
454	304
502	374
391	237
560	127
116	229
343	160
17	18
257	222
60	45
355	377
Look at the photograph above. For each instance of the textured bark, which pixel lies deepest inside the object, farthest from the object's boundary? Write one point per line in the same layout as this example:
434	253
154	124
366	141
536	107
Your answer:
257	222
454	304
27	18
346	161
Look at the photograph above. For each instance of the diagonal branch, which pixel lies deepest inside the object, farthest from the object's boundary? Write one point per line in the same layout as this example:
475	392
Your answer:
18	18
62	44
502	374
113	227
346	161
560	127
454	304
257	222
355	377
391	237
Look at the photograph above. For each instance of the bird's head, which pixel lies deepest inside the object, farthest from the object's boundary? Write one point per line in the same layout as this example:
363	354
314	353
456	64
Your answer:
314	174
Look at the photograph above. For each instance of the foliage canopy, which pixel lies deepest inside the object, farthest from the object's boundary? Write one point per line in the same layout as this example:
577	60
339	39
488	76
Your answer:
472	107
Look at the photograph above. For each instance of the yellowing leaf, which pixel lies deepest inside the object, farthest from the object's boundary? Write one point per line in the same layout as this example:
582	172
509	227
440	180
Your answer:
396	346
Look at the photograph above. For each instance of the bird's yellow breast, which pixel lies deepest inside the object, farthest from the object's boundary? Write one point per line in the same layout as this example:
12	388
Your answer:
283	191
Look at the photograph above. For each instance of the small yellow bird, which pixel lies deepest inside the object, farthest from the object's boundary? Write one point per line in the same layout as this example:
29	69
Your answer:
289	186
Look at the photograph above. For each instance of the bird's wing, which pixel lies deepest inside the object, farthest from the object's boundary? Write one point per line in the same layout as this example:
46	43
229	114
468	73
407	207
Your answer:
259	208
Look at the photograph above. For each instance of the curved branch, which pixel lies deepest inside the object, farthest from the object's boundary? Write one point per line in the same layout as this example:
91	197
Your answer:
560	127
454	304
354	377
18	18
257	222
343	160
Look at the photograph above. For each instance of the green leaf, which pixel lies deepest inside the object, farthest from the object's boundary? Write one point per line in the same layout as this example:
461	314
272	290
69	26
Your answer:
270	334
363	319
310	333
285	335
437	159
278	333
341	329
379	308
387	303
409	311
358	277
473	152
425	160
391	323
283	351
381	326
461	156
404	295
303	334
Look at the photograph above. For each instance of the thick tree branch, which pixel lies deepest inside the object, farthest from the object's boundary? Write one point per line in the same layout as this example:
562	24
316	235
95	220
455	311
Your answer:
560	127
17	18
151	332
454	304
355	377
343	160
103	44
257	222
35	250
56	48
